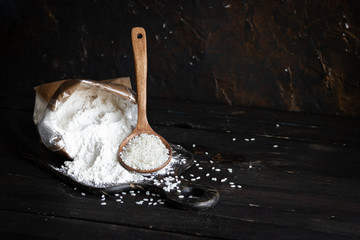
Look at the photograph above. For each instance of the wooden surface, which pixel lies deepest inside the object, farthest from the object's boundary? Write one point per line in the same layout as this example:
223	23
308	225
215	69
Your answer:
308	187
290	55
138	39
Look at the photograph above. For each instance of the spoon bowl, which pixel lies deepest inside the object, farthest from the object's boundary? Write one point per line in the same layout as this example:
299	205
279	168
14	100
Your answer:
138	39
135	133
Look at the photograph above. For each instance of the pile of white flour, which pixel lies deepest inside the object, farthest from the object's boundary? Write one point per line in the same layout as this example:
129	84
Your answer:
145	152
93	123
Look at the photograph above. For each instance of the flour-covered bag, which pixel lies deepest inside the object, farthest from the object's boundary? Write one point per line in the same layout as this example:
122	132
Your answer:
58	105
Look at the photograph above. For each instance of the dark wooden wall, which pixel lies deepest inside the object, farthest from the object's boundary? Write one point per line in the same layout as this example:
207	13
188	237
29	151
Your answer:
289	55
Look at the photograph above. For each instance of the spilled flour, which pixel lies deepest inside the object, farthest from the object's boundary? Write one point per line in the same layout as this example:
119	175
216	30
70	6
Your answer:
93	123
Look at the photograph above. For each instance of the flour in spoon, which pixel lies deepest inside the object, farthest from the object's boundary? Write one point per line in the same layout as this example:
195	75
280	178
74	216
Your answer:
93	123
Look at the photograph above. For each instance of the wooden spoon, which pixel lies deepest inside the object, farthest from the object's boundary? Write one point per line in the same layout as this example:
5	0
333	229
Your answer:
138	38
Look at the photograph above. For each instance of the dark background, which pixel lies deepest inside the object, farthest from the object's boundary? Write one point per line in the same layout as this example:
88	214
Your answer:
288	55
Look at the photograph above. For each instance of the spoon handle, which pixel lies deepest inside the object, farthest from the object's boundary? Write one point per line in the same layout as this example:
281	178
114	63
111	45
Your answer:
138	39
192	197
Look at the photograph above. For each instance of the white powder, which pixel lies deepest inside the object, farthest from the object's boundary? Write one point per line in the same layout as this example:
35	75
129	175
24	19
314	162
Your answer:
93	123
145	152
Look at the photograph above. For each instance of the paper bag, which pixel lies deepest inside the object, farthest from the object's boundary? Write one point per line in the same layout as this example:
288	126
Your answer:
51	96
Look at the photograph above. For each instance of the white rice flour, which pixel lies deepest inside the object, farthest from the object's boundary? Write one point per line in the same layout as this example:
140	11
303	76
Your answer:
93	123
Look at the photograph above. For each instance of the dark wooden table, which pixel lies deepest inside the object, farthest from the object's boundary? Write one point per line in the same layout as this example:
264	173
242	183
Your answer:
299	176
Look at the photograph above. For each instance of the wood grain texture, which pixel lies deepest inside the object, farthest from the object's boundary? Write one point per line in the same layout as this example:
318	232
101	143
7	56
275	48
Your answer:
307	187
300	56
30	226
138	39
